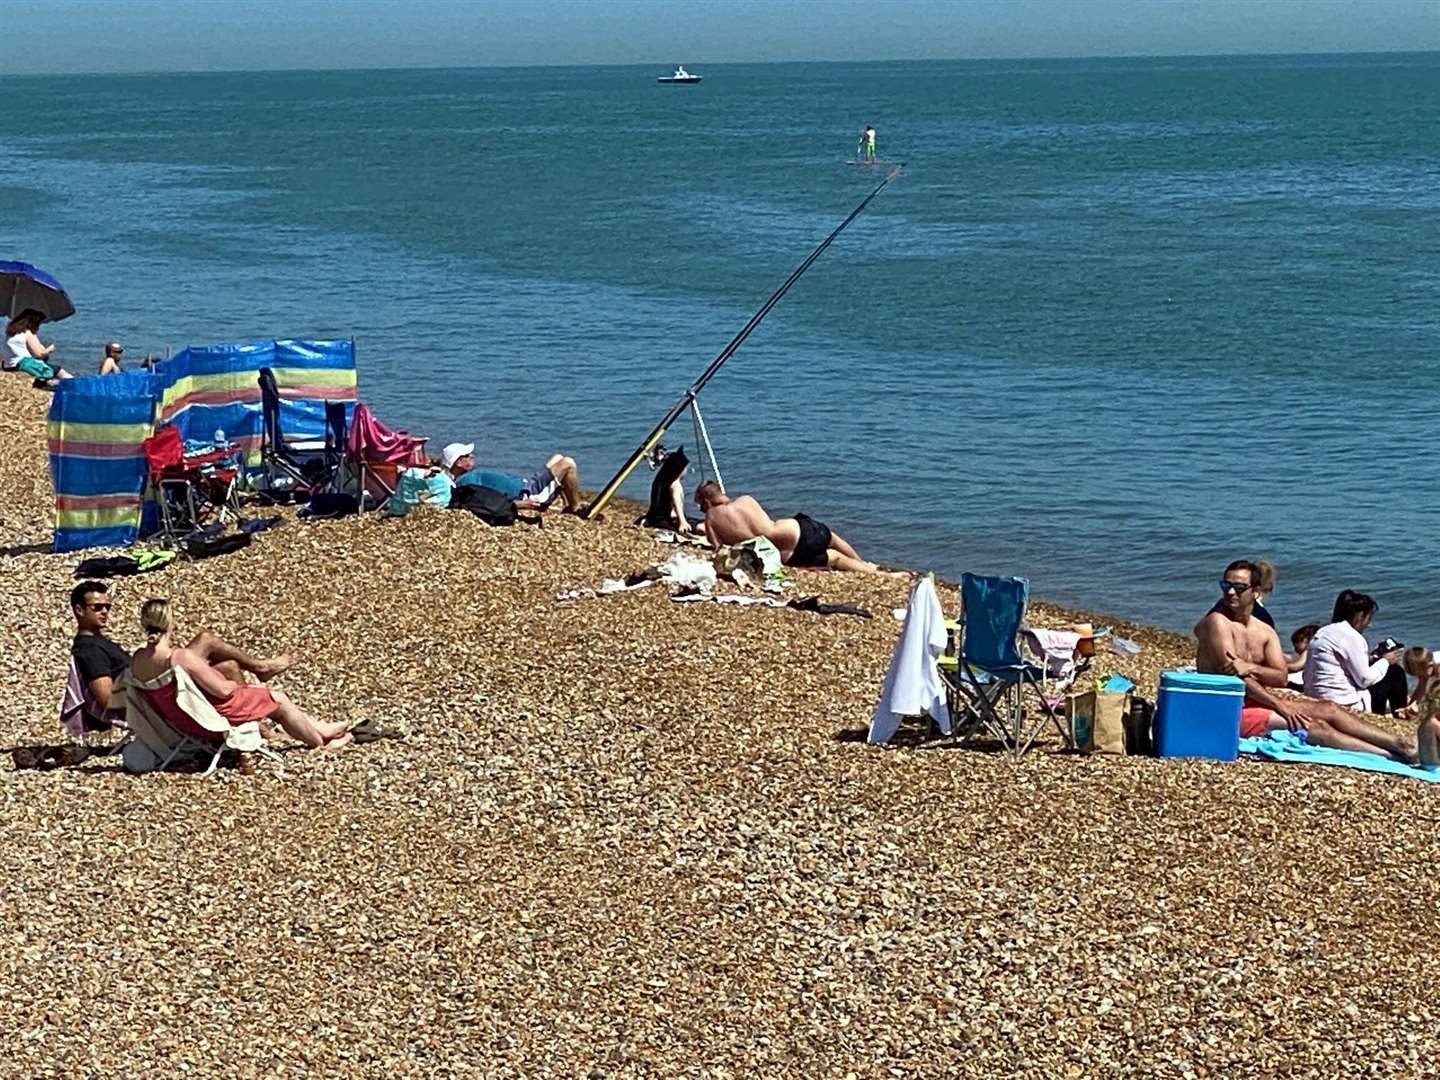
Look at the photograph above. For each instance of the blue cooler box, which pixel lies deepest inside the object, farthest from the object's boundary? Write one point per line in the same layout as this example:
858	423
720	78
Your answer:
1198	715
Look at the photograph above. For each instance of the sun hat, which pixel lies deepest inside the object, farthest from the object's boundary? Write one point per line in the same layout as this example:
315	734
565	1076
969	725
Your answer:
454	452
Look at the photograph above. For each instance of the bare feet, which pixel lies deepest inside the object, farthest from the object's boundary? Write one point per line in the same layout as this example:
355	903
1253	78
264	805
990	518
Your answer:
268	669
338	743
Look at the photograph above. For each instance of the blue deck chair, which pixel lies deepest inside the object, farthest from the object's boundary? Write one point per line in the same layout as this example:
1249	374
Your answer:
987	675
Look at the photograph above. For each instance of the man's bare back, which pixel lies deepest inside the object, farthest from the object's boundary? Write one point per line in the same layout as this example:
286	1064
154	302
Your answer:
743	518
802	541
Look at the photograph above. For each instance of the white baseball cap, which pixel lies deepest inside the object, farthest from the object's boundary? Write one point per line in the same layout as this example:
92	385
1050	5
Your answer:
454	452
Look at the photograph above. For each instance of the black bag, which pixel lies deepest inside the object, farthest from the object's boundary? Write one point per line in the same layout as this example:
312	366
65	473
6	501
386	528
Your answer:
114	566
1139	736
330	504
490	506
198	546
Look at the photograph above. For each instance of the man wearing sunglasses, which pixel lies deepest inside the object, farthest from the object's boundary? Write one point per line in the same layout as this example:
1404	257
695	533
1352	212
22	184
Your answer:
1231	641
101	661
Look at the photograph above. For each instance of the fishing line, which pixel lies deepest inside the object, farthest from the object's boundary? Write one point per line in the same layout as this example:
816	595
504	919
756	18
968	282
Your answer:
715	365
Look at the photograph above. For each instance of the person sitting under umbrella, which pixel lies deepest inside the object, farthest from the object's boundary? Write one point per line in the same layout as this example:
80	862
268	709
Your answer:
24	351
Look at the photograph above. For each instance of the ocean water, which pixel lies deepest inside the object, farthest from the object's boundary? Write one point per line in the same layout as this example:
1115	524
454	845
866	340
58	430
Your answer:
1116	323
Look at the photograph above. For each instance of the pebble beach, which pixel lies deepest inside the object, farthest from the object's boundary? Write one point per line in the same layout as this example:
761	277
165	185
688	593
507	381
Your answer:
629	837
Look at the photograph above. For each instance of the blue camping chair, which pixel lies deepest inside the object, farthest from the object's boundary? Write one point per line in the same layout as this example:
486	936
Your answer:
987	675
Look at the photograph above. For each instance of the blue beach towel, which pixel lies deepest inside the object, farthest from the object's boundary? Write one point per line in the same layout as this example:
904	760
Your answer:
1291	746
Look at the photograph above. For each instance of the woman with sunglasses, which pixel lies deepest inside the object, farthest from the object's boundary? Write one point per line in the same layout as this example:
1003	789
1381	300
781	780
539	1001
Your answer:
1338	667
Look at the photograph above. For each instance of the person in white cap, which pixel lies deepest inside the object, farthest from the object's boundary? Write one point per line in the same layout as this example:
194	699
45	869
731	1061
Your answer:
559	476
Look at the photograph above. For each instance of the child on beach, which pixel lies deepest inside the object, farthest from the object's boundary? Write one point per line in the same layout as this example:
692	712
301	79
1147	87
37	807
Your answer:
1421	665
1300	642
1427	698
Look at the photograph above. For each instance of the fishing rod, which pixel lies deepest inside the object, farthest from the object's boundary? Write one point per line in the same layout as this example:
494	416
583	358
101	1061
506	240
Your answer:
715	365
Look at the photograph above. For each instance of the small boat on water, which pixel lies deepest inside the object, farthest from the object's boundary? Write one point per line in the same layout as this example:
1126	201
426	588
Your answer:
680	78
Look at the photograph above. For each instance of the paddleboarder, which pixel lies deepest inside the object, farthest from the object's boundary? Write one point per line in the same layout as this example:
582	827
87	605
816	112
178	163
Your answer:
866	150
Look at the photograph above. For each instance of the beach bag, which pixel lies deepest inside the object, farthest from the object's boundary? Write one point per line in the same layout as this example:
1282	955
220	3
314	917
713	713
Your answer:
200	546
757	557
1139	722
1097	722
330	504
490	506
417	486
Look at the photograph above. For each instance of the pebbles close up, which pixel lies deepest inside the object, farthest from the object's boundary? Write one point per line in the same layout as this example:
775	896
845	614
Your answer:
626	836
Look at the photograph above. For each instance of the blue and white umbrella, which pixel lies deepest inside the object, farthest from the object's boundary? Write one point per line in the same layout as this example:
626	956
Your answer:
23	286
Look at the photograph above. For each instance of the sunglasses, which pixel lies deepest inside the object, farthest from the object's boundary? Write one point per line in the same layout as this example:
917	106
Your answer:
99	607
1232	586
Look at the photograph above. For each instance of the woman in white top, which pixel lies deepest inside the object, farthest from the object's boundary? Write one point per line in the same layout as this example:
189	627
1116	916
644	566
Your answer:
24	352
1338	666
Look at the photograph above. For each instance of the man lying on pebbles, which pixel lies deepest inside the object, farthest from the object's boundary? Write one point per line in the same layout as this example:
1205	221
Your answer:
802	540
559	476
1232	642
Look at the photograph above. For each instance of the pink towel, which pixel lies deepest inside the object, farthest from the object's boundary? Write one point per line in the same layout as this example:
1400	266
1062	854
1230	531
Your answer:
372	441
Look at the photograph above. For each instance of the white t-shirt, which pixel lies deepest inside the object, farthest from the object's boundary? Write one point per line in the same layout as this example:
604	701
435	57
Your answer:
1338	667
16	349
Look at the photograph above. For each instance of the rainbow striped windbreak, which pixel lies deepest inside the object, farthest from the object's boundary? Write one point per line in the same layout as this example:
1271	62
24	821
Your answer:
97	423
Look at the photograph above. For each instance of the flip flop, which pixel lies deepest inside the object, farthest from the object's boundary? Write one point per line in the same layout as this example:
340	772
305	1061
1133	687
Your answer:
367	731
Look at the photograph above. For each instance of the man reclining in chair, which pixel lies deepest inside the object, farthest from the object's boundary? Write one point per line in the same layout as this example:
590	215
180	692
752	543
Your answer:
101	661
558	476
1233	642
802	540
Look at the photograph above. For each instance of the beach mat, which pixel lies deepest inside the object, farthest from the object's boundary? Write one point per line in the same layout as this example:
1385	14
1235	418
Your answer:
1290	746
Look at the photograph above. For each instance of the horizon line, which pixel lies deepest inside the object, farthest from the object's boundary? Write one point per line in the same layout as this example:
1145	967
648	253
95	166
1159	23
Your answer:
721	63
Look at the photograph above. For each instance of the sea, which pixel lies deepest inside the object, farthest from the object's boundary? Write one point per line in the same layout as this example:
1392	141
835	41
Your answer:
1116	322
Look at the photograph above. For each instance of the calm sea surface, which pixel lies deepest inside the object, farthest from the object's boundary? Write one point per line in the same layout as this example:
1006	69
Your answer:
1116	323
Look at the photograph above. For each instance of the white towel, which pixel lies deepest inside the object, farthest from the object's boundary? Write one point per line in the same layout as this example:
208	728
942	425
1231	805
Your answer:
913	686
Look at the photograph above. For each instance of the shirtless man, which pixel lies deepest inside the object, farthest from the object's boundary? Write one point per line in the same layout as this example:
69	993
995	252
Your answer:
802	540
1233	642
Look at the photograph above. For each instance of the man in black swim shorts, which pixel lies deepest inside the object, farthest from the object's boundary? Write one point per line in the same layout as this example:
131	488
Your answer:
802	541
813	547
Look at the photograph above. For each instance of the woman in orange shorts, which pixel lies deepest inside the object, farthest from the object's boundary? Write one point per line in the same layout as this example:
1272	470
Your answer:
238	703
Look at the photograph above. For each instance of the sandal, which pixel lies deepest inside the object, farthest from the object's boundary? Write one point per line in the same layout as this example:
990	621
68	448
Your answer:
367	731
71	755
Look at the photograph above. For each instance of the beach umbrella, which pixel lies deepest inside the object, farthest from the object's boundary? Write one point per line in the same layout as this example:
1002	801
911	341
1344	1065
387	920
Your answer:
23	286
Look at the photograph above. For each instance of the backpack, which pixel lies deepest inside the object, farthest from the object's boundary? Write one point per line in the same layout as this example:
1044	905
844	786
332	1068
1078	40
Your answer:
490	506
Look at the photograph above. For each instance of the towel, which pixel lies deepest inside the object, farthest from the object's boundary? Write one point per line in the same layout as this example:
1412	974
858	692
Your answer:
1054	648
913	686
1291	746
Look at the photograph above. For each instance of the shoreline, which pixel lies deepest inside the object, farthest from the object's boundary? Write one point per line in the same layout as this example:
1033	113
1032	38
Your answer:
630	836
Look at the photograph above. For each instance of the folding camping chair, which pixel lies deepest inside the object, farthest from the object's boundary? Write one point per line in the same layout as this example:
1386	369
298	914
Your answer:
986	674
377	454
292	466
82	717
190	489
202	737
